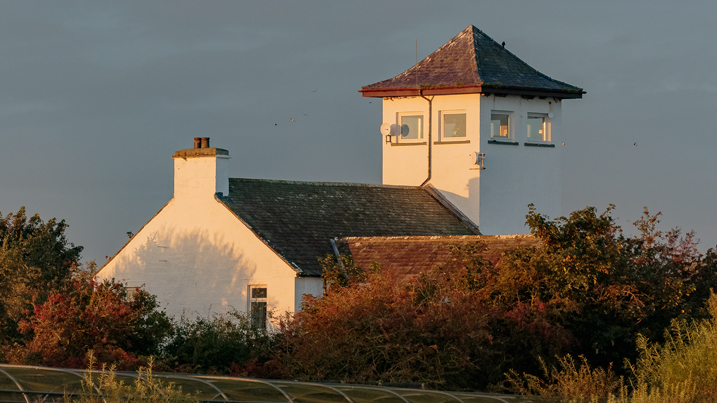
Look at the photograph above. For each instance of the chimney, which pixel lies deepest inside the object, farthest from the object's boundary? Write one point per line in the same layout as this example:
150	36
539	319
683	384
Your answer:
201	172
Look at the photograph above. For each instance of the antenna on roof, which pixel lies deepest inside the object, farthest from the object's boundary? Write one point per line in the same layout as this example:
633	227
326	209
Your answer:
416	74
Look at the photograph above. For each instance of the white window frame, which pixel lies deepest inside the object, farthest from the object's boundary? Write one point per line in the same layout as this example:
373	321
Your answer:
251	300
399	122
511	122
443	125
546	128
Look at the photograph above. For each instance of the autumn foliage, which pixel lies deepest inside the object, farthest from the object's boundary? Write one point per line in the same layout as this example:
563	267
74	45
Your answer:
587	289
90	315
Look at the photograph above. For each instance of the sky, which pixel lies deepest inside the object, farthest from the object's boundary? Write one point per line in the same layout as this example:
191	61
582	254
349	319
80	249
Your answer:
95	97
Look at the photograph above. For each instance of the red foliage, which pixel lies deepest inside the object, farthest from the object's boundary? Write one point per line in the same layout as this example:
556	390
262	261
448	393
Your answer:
90	316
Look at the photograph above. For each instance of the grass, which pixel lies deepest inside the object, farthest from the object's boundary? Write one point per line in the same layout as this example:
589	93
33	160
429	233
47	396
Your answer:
104	387
682	370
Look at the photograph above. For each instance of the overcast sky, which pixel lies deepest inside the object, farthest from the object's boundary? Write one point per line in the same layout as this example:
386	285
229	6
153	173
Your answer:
95	97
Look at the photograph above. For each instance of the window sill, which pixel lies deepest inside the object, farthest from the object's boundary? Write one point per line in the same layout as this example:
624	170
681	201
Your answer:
507	143
539	145
452	142
423	143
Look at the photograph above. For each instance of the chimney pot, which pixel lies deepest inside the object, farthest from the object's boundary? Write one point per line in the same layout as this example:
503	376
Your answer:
197	142
205	142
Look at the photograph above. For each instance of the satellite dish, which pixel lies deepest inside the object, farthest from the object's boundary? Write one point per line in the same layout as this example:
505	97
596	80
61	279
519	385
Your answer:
550	115
386	129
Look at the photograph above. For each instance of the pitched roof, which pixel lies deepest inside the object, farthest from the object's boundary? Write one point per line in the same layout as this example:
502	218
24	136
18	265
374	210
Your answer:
409	256
298	219
472	62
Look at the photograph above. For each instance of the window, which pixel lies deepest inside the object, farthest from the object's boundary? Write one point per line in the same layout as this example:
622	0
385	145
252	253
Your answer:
500	125
132	291
257	306
537	127
412	127
454	125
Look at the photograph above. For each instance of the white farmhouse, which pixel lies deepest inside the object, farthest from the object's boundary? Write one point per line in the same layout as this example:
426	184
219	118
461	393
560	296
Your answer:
471	137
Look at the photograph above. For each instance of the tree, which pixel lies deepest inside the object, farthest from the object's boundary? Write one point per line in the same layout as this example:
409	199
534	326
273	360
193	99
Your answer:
91	315
35	260
602	287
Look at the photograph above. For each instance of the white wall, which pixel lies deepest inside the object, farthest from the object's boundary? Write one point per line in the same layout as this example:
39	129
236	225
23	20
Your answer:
517	175
453	171
495	199
197	257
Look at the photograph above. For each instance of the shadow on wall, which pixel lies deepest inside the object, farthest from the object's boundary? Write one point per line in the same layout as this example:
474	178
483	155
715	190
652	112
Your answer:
194	273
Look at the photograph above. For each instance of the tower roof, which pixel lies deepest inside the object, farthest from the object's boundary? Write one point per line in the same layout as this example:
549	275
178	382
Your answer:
472	62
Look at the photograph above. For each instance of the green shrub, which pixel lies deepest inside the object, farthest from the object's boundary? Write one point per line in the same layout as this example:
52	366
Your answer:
220	344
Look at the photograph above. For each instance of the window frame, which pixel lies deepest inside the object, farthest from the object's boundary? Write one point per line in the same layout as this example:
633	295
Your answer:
442	115
251	300
547	135
399	122
510	115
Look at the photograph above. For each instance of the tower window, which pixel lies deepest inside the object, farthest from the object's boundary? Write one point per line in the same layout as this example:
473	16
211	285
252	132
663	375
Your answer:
537	127
412	127
454	125
257	306
500	125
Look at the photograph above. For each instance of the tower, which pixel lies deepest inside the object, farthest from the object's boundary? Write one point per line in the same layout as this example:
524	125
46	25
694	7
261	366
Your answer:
480	126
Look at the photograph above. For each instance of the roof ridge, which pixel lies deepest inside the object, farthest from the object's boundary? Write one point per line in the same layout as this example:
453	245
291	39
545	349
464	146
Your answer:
433	237
512	54
315	183
472	62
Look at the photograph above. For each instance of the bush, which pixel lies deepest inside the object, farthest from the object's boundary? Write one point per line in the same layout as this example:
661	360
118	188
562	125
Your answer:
221	344
683	369
91	315
429	331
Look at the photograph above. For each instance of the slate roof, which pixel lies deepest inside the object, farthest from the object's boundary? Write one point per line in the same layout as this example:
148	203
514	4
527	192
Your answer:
472	62
298	219
410	256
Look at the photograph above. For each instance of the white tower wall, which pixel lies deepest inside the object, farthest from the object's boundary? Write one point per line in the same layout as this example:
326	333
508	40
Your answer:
516	174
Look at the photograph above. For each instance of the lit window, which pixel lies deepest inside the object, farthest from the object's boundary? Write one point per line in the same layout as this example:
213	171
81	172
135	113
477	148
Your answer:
412	127
257	306
537	130
454	125
499	125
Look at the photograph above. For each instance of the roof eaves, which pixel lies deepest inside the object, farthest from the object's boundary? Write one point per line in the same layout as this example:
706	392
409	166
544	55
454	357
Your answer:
414	92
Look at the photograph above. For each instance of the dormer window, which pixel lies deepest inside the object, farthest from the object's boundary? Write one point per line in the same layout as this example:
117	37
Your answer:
537	127
454	125
411	126
500	125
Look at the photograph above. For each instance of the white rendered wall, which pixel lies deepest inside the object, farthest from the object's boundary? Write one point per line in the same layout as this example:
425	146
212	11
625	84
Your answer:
453	173
197	257
495	199
517	175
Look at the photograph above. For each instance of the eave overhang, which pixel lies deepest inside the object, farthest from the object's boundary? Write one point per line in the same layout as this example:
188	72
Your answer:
470	89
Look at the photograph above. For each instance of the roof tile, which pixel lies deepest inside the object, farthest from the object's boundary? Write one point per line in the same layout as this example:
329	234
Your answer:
298	219
472	62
